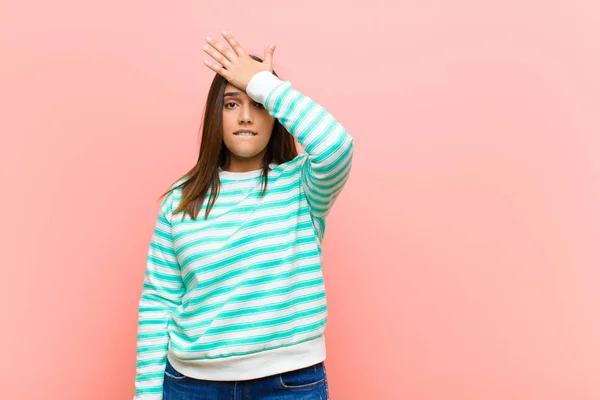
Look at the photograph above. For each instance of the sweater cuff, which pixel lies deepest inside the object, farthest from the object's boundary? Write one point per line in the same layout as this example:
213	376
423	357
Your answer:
261	85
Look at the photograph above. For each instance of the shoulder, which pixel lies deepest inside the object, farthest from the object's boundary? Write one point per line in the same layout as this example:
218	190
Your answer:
174	193
289	168
296	163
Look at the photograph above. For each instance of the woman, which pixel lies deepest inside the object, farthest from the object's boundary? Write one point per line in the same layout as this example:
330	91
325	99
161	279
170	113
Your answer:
233	304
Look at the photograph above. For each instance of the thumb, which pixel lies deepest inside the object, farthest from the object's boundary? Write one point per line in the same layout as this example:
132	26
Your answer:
269	56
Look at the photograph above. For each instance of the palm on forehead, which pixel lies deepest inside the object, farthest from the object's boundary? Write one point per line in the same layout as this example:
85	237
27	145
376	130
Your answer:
234	64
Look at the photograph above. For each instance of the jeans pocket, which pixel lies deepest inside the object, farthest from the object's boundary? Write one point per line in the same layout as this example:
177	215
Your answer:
304	378
173	374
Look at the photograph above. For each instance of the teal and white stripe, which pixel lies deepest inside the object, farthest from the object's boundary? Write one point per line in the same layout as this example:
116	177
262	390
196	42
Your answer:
247	281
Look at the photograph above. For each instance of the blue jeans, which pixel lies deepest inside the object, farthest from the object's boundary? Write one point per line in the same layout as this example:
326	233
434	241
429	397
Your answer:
308	383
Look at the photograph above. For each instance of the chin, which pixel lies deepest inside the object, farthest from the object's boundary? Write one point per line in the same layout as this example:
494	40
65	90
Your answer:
245	153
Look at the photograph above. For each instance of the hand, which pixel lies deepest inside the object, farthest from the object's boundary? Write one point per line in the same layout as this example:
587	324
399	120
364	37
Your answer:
236	66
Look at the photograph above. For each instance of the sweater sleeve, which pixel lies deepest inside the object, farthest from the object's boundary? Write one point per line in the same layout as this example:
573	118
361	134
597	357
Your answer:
161	293
329	147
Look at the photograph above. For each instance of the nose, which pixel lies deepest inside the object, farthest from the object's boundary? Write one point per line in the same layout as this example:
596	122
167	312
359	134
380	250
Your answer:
245	115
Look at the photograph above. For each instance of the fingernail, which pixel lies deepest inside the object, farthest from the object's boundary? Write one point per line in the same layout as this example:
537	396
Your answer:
205	47
225	33
208	38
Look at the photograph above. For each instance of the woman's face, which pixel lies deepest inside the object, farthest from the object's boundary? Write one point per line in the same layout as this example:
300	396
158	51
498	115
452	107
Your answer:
240	112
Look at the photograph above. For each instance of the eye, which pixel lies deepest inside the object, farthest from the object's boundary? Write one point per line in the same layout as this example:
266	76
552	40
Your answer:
231	104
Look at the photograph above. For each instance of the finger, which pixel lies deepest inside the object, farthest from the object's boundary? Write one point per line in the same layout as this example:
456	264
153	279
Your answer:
234	44
269	56
230	55
216	67
216	55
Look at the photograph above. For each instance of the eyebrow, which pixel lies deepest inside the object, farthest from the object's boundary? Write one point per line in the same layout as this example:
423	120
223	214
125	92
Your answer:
231	94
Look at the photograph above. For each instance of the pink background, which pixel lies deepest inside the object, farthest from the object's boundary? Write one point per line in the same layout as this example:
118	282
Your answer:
462	259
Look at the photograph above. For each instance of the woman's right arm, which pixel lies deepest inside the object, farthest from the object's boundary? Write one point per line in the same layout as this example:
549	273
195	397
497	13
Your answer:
161	294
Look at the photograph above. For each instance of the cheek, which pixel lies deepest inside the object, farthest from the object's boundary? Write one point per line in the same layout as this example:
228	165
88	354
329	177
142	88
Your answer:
228	120
264	118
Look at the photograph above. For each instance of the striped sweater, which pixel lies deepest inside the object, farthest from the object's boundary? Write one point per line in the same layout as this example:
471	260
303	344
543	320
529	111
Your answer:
240	295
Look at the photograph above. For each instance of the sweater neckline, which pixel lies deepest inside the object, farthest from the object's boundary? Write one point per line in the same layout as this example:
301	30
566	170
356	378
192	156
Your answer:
242	175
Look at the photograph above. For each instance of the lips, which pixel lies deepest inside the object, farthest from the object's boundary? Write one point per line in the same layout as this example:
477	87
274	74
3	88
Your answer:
245	132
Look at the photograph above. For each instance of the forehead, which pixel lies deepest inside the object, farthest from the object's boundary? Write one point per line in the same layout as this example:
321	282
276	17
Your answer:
229	88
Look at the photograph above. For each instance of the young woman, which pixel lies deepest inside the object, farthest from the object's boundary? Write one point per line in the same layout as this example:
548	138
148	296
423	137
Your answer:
233	304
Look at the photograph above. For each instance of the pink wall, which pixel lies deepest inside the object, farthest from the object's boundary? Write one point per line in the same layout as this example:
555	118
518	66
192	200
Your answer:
462	260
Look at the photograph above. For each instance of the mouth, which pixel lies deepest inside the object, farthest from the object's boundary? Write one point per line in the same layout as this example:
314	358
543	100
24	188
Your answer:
245	132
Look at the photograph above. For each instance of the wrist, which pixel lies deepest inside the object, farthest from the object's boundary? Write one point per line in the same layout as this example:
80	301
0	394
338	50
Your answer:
261	84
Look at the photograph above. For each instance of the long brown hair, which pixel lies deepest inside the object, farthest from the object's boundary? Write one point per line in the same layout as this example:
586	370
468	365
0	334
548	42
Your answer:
214	154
